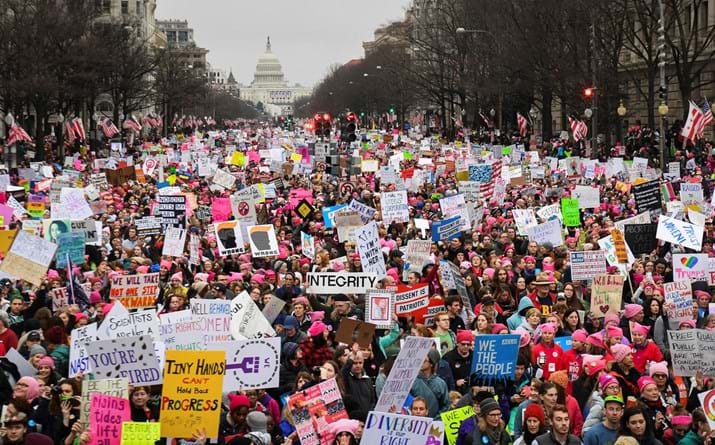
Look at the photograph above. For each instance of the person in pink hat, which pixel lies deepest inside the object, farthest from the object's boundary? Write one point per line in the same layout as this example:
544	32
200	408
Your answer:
546	354
622	368
644	349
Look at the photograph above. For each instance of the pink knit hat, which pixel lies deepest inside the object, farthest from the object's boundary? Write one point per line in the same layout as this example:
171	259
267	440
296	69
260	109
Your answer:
631	310
178	276
596	339
614	331
33	387
46	361
645	381
611	318
605	380
658	368
201	276
620	352
637	327
580	335
317	328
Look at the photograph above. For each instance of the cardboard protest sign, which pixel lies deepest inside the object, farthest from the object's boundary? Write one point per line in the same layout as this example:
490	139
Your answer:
213	319
79	357
679	299
393	207
690	267
247	321
347	222
140	433
453	420
191	393
111	387
586	265
130	357
366	212
251	364
494	356
404	372
106	417
28	258
314	409
446	229
674	231
229	238
307	244
121	176
323	283
70	249
135	291
524	218
355	331
174	242
606	295
641	238
707	401
263	241
379	307
368	246
23	366
691	193
620	244
172	211
647	196
608	246
692	350
383	428
550	232
588	197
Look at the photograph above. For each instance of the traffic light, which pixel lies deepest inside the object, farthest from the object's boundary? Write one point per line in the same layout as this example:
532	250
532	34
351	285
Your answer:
662	93
327	125
347	131
588	93
392	110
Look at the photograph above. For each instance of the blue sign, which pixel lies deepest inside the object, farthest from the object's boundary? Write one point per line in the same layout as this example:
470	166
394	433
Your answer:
70	245
564	342
495	356
447	228
480	173
328	214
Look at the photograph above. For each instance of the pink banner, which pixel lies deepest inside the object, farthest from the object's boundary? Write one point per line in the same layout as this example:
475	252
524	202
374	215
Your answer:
105	419
221	209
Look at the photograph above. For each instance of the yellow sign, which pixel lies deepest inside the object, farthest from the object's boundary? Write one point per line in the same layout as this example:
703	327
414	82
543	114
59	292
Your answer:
140	433
296	157
191	396
6	237
171	179
238	158
36	209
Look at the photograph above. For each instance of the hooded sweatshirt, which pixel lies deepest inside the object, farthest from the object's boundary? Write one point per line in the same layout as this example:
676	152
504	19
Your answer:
518	318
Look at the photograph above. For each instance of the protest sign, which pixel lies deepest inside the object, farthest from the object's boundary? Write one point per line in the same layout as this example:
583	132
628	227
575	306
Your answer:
647	196
61	298
251	364
307	244
383	428
608	246
121	176
588	197
481	173
243	207
368	246
692	350
79	359
606	295
314	409
130	357
263	241
641	218
674	231
229	238
679	299
174	242
470	189
524	218
550	232
366	212
691	193
88	227
446	229
272	309
355	331
417	254
140	433
24	368
455	205
690	267
404	372
707	402
550	212
323	283
586	265
224	179
148	226
172	211
112	387
453	420
379	307
393	206
347	222
329	215
191	393
212	318
28	258
619	242
70	249
135	291
247	321
494	356
641	238
106	417
409	299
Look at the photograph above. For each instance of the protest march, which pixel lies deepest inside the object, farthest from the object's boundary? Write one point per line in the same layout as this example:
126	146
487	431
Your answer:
226	284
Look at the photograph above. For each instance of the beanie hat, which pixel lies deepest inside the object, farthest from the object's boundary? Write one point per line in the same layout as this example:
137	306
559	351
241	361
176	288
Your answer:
289	349
178	276
465	336
37	349
33	388
534	410
301	300
620	352
631	310
317	315
595	367
344	426
579	335
658	368
610	318
596	339
257	421
547	328
488	405
645	381
317	328
525	337
95	297
614	331
605	380
79	316
290	322
560	378
237	401
498	327
637	327
46	361
433	356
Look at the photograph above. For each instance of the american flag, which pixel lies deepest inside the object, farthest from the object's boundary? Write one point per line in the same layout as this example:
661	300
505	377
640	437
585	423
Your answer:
486	189
578	128
693	126
132	123
17	134
78	129
69	131
707	118
108	128
488	122
522	123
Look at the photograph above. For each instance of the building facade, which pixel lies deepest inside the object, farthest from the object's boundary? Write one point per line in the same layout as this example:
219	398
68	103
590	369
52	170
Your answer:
269	86
180	41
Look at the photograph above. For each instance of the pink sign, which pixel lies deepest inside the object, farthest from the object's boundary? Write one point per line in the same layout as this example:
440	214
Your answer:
105	418
6	215
297	195
221	209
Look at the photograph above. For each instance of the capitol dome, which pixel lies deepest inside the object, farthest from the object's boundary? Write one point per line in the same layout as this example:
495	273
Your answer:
268	69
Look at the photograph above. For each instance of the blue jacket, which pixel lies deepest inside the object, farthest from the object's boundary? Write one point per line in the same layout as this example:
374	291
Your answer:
518	318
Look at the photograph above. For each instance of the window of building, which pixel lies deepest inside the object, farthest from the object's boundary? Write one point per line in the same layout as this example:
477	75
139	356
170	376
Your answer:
140	12
171	36
103	6
125	7
183	36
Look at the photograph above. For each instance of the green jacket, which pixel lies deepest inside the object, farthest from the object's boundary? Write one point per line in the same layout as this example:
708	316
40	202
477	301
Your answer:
691	438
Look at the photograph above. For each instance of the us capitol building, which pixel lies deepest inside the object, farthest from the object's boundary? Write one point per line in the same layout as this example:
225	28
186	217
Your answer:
270	88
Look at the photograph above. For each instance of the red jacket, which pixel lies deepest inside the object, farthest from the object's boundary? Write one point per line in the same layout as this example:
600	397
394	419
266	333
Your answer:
315	356
548	358
650	352
572	362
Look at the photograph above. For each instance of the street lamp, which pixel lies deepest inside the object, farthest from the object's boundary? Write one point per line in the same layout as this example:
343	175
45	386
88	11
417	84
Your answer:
621	110
588	113
663	109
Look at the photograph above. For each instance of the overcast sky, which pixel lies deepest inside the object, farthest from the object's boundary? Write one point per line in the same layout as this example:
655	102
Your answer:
307	36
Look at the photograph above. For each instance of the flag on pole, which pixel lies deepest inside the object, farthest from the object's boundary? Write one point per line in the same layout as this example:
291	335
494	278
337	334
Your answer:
486	190
692	126
579	129
17	134
108	128
488	122
132	123
707	118
69	131
522	124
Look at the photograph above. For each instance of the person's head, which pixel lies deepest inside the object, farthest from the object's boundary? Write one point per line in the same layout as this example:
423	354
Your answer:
139	396
239	406
26	389
535	418
358	364
548	394
648	389
16	428
419	407
301	379
483	323
453	304
634	422
560	420
465	342
613	407
533	317
441	320
491	413
329	370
